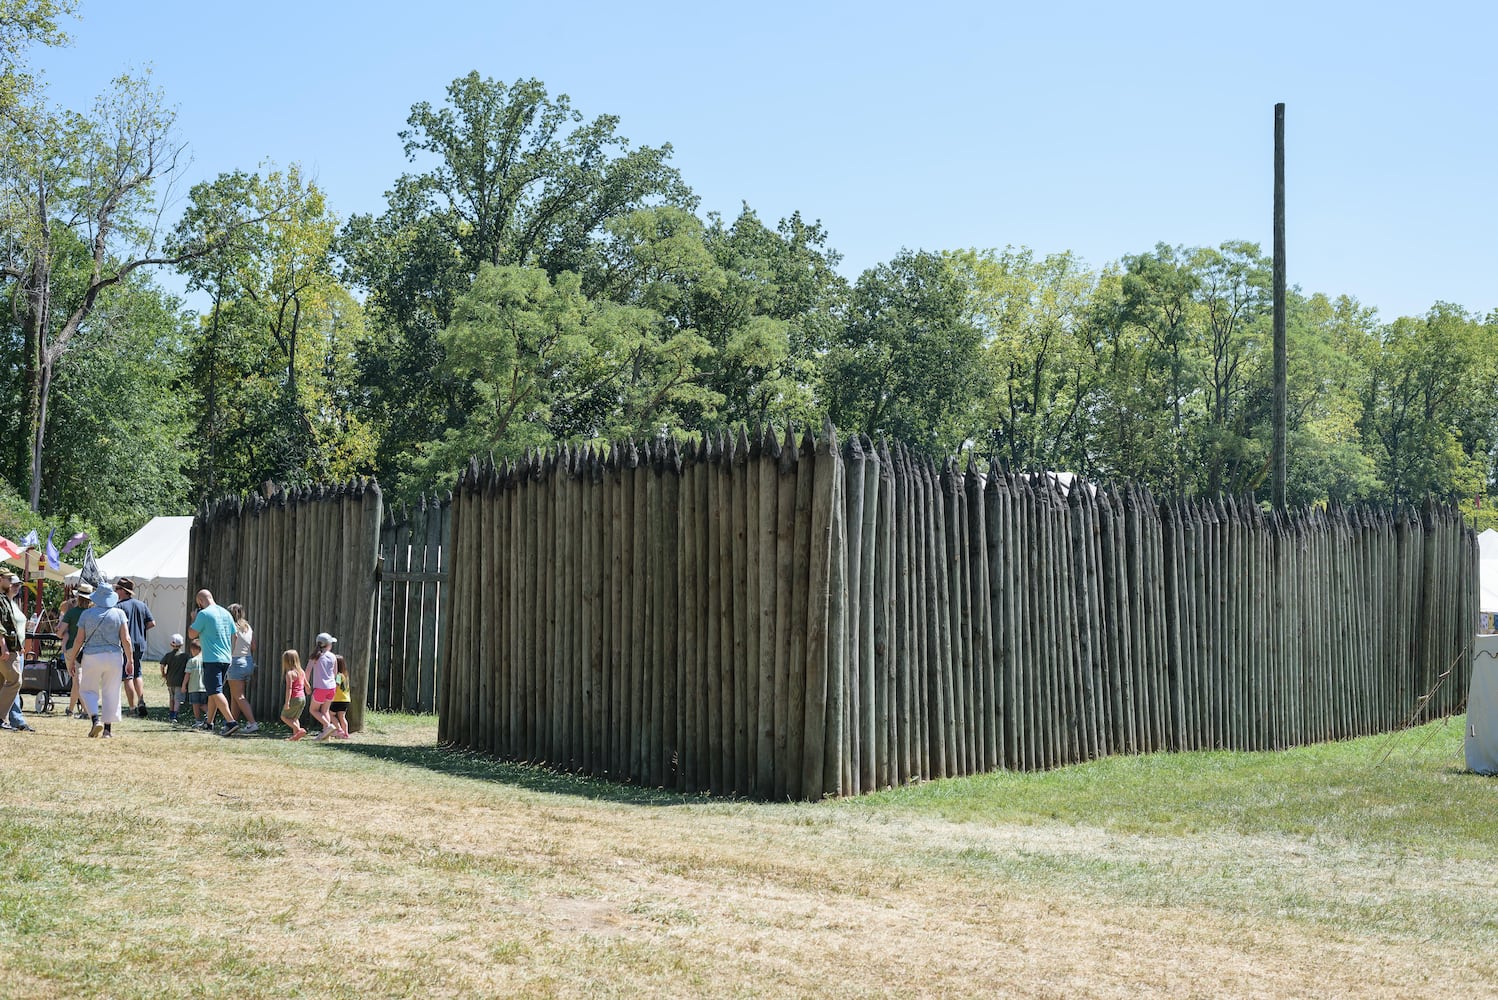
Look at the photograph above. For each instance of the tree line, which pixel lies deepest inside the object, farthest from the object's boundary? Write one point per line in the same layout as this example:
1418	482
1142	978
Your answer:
536	277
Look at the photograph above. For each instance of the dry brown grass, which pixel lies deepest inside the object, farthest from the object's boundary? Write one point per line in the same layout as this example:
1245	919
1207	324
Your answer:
165	863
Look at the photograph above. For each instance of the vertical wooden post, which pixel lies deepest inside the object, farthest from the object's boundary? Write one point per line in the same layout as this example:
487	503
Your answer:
1281	363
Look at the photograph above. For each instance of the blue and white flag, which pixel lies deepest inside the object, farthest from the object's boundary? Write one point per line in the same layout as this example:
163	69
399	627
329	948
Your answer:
74	542
31	540
54	558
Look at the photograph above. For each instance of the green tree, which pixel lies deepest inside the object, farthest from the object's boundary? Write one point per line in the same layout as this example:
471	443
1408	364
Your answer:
519	339
1041	360
779	305
72	181
279	339
24	23
909	360
1158	298
1332	346
512	177
1429	404
118	453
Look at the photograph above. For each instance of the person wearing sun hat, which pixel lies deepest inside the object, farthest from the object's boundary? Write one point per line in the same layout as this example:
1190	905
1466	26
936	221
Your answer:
103	654
67	631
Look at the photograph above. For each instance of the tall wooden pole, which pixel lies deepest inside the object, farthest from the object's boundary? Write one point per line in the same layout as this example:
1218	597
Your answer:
1281	398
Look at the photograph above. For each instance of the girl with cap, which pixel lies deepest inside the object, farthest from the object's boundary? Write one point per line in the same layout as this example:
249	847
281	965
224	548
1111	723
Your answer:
322	669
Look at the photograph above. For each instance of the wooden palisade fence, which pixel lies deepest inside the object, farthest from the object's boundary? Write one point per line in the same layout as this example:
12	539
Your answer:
790	619
412	602
301	562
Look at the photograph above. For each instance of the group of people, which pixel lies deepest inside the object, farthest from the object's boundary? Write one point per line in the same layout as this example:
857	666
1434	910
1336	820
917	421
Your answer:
104	634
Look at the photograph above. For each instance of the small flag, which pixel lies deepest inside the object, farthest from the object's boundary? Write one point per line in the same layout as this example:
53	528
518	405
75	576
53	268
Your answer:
74	542
89	573
54	560
31	540
9	549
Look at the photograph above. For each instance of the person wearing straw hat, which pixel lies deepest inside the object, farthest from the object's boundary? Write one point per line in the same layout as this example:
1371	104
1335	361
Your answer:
67	631
102	651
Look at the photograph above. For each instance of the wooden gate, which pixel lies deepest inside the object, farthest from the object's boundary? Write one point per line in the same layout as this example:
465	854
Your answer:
412	588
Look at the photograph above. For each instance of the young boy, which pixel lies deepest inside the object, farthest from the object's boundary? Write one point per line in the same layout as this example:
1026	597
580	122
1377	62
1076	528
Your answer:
173	671
192	684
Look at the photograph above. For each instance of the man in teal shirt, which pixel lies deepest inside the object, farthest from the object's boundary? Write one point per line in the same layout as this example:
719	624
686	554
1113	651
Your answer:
214	628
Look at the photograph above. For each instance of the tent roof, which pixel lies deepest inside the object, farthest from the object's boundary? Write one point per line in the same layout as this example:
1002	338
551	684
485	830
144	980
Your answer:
157	551
34	565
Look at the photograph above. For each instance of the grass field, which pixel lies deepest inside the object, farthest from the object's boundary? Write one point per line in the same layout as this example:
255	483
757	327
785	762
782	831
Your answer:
170	864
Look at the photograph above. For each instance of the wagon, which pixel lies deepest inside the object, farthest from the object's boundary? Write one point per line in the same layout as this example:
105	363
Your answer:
45	673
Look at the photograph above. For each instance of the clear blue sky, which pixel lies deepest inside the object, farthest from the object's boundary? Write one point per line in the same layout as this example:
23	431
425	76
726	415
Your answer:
1092	127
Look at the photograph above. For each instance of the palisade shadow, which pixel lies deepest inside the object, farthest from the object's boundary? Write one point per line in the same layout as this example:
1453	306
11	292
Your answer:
534	777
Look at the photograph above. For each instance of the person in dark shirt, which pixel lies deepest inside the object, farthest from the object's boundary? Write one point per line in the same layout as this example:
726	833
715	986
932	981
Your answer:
139	619
67	629
173	671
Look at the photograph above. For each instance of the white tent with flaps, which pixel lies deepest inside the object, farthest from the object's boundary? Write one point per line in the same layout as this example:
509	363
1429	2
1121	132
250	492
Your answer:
155	558
1487	570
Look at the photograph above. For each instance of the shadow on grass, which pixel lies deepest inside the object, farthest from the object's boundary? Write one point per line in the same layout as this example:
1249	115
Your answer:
535	777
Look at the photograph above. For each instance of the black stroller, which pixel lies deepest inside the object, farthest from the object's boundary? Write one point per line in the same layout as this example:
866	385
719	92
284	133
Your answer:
45	675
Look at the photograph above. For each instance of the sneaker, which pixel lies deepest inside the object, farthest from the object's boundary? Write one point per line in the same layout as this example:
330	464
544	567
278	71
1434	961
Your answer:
323	736
142	711
171	717
108	736
231	729
98	728
251	727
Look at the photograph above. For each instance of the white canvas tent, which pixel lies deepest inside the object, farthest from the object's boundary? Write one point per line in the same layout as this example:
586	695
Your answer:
1487	570
155	557
1481	741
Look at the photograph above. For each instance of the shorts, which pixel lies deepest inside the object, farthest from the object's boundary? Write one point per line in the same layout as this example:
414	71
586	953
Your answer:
293	708
132	672
241	668
341	706
213	678
197	697
322	696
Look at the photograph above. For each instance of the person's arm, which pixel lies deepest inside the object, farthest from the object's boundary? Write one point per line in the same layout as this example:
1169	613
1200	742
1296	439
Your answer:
126	647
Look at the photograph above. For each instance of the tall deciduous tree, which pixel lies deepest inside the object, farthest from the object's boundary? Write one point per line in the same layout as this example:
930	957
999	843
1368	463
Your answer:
1041	359
909	359
275	358
91	180
1431	402
508	176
